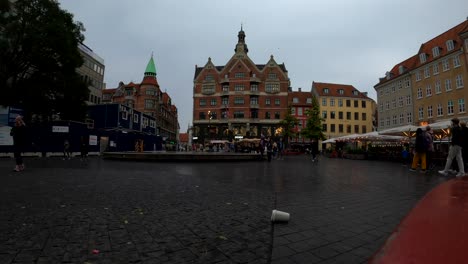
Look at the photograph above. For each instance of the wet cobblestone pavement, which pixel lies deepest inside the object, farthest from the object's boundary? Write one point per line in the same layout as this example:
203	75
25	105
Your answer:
137	212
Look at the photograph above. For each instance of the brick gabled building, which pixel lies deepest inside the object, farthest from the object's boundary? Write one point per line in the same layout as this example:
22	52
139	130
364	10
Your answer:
147	98
241	98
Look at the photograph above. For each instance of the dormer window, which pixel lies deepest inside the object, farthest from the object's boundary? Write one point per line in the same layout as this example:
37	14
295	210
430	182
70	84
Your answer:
295	100
422	57
341	91
401	69
435	51
325	90
355	92
450	45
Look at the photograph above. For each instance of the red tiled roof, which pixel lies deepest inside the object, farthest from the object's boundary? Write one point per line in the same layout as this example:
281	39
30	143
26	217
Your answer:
440	41
407	64
184	137
150	80
333	89
301	96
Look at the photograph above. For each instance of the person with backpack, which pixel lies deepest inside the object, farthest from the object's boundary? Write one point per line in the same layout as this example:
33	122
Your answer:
420	148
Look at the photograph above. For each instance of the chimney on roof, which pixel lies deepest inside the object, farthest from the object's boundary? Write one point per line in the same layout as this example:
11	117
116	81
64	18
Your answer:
299	89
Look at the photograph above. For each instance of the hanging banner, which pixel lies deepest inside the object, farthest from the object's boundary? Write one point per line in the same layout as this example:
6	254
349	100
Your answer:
60	129
92	140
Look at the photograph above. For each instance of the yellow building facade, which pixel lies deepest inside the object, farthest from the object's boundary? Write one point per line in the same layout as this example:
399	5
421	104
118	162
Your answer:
344	109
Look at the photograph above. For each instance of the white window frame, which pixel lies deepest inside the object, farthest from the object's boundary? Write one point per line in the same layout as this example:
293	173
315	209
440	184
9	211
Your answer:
400	101
124	115
445	65
448	85
456	61
427	72
402	118
421	113
440	110
435	69
422	57
418	76
437	87
408	100
409	117
428	90
420	93
459	81
461	105
429	111
450	45
435	52
450	107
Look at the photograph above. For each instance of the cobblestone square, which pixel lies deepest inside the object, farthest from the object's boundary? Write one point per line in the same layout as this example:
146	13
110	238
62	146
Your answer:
101	211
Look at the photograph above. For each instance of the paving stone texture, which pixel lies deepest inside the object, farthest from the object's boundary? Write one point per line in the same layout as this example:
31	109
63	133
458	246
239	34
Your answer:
101	211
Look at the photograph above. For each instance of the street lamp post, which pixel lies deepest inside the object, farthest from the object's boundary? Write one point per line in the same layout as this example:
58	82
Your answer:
209	125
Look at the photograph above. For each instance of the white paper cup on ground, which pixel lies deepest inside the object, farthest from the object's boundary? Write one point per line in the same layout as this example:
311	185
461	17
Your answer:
279	216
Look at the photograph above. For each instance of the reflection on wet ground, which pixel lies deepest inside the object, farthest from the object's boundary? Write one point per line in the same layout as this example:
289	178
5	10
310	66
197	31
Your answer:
59	211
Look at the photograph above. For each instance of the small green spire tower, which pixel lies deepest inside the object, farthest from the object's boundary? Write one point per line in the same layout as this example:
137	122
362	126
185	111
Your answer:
150	68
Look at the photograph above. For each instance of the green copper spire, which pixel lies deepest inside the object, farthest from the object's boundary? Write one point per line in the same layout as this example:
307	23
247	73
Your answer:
150	68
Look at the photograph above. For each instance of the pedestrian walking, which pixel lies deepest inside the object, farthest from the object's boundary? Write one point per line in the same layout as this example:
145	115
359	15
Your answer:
420	147
314	150
465	142
430	148
280	149
84	148
455	149
269	149
18	132
66	150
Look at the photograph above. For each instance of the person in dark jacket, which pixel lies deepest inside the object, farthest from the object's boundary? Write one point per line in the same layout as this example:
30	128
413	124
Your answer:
455	150
465	142
18	132
314	150
420	148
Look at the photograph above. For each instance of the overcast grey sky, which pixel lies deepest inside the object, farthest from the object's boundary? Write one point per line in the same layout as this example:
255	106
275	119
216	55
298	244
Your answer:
349	41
